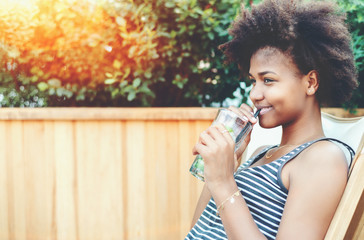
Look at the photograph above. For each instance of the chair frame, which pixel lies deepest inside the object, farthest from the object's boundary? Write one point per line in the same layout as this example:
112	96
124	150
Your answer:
348	221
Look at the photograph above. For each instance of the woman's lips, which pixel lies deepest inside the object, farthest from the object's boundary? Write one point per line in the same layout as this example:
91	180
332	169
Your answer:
264	110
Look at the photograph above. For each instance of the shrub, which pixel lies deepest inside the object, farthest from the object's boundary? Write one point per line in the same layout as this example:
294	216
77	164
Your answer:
126	52
121	53
355	19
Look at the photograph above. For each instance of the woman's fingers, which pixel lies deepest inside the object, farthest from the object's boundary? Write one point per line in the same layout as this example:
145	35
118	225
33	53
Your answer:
239	152
245	112
215	137
206	138
221	134
200	149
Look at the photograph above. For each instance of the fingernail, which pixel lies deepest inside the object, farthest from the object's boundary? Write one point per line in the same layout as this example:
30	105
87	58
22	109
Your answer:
245	118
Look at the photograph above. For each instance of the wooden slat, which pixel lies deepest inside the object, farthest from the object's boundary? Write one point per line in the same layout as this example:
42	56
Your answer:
4	184
66	210
137	202
107	113
93	174
182	113
16	159
190	187
348	214
356	227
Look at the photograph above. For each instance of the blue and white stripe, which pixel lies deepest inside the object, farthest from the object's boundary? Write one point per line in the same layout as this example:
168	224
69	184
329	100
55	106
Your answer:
264	194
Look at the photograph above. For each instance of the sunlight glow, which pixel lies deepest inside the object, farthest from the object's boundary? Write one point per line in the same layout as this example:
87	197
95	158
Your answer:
18	3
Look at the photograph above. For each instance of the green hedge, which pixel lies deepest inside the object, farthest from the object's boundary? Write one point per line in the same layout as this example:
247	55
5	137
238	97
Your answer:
355	16
126	53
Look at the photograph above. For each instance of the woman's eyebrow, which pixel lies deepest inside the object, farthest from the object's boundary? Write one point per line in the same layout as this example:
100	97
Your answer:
263	73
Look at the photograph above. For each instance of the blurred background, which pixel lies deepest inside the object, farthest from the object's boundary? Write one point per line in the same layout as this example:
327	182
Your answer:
130	53
115	173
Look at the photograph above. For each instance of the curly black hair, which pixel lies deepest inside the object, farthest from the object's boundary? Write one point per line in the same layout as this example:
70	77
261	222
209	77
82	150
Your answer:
314	34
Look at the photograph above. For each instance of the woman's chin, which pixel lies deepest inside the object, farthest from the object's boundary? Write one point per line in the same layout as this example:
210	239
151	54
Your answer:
265	124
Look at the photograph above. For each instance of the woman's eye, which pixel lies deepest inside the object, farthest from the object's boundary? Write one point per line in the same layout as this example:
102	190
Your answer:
268	80
252	81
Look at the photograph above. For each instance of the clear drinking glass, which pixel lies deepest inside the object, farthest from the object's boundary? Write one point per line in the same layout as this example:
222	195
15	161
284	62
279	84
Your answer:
238	130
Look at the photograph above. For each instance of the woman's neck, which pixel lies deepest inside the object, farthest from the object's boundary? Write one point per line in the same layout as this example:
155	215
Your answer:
306	128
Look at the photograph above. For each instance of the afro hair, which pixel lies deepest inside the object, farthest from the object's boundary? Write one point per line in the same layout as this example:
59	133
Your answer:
313	34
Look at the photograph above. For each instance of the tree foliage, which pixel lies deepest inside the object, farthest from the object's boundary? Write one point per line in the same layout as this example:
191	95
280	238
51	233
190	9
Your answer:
355	19
124	52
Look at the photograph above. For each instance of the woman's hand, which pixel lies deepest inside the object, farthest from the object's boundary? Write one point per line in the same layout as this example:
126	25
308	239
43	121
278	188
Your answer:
246	113
216	146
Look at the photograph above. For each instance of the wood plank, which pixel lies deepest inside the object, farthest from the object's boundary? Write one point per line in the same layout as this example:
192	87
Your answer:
190	187
136	210
115	174
99	180
17	180
356	227
167	113
110	176
172	178
66	181
39	181
49	197
162	179
5	188
106	113
346	211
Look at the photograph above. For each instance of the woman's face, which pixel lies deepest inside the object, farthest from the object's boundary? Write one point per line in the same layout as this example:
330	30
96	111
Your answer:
278	87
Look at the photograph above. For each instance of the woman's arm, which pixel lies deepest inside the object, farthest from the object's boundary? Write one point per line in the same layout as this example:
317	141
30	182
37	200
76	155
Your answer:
316	181
218	154
236	217
201	204
316	184
206	195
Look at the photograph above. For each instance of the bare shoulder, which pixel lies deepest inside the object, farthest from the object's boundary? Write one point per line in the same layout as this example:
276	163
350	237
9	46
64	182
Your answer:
321	162
317	179
324	154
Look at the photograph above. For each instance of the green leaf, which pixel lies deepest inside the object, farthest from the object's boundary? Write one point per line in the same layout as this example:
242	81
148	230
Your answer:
136	82
131	96
42	86
80	97
114	93
211	35
109	75
148	74
109	81
59	92
169	4
173	34
54	82
123	84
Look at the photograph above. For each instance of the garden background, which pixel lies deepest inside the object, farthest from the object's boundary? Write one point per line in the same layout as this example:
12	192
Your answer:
136	53
119	172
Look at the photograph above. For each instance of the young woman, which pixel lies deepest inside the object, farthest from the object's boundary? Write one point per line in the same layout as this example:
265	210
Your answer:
298	57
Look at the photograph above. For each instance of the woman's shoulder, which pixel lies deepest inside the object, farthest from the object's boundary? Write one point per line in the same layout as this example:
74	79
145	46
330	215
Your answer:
324	151
323	156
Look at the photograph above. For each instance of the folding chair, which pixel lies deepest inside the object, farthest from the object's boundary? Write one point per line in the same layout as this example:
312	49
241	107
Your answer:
348	222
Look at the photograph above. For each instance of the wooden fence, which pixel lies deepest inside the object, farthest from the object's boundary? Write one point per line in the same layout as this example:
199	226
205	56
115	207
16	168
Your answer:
99	173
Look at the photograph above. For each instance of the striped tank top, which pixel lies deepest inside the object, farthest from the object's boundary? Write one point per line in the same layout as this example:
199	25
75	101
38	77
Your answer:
264	194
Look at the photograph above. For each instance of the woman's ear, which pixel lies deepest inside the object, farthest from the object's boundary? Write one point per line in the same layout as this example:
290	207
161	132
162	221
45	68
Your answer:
312	82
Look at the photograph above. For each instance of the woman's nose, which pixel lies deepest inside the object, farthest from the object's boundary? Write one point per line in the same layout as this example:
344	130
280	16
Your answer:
256	93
